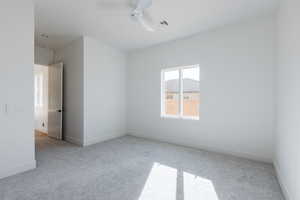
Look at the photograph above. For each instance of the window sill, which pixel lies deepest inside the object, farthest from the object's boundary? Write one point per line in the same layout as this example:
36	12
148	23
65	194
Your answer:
179	117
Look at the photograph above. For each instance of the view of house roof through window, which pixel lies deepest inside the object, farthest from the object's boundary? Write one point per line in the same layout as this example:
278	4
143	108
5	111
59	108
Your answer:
181	92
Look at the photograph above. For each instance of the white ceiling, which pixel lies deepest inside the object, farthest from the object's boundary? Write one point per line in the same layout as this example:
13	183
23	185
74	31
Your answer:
65	20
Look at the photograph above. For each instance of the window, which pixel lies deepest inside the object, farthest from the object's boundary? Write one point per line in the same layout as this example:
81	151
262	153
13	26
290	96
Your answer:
38	89
180	92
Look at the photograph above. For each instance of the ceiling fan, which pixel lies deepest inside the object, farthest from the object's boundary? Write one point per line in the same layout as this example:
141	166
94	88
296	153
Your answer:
138	12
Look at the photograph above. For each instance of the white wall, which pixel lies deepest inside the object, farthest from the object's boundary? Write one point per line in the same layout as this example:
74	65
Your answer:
287	158
72	58
43	56
94	91
237	104
16	86
104	91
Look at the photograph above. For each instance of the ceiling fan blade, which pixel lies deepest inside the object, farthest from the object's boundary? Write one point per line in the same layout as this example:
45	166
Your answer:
143	4
145	24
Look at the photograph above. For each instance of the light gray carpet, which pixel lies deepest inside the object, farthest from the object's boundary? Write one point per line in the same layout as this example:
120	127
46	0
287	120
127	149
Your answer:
130	168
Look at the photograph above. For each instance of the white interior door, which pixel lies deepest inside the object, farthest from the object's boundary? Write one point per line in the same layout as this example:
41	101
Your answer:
55	100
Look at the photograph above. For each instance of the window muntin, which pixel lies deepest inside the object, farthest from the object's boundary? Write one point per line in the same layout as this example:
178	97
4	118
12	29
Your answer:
181	92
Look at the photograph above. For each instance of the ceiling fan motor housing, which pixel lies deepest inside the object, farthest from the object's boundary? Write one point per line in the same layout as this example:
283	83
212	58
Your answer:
137	13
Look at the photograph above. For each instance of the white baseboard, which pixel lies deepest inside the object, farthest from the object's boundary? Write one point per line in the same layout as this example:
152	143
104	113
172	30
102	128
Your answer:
43	130
280	180
18	169
91	141
207	148
73	140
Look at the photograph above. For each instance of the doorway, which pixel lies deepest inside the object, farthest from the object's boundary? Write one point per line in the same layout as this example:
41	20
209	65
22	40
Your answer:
48	100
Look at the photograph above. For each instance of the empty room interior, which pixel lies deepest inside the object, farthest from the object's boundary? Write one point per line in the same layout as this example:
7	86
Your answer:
150	100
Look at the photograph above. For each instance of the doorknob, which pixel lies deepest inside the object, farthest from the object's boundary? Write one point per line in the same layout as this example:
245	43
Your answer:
59	110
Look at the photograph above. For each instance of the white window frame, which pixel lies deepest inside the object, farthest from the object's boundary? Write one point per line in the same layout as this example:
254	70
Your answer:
162	90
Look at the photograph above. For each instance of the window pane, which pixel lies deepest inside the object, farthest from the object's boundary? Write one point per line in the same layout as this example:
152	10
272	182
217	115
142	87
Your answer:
191	91
35	90
171	90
